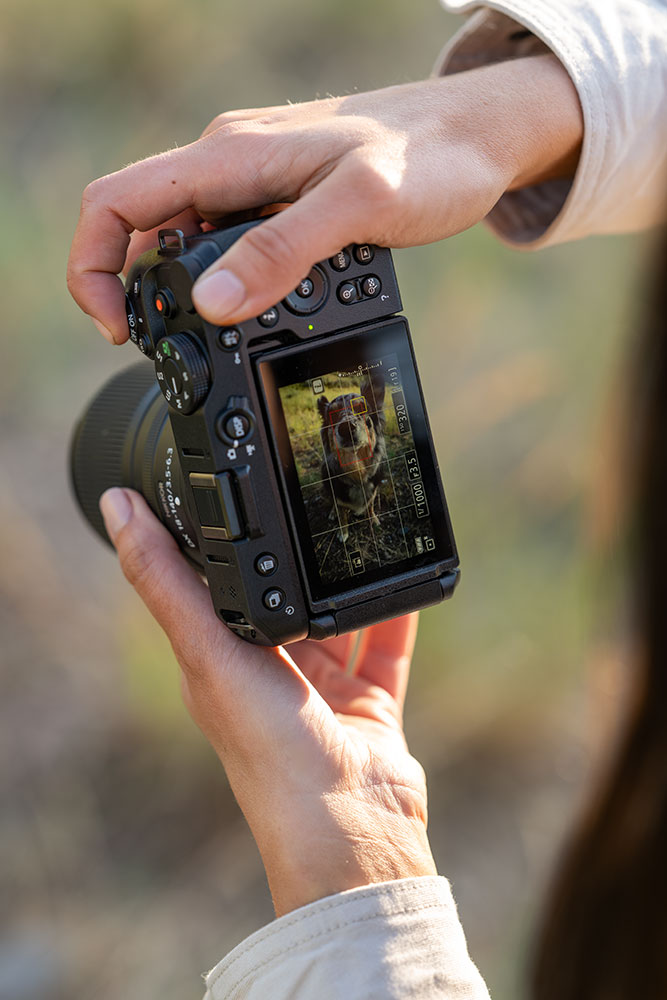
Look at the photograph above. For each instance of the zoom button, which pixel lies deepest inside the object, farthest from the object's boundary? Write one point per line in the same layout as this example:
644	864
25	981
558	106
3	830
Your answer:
371	286
347	292
274	599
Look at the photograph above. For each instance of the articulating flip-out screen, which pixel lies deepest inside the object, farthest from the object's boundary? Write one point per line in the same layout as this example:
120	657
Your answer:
354	445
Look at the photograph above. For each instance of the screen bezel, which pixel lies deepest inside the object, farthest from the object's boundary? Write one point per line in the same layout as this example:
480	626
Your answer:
288	366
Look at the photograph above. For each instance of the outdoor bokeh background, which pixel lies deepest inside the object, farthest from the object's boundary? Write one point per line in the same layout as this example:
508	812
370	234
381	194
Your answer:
126	869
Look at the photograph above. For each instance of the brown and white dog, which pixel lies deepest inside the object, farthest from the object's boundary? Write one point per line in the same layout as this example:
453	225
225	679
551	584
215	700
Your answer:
354	446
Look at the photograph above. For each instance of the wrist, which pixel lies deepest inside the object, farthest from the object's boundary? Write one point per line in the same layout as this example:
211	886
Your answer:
341	843
524	115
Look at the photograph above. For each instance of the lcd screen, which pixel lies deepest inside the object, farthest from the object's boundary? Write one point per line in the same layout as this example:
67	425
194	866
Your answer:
351	434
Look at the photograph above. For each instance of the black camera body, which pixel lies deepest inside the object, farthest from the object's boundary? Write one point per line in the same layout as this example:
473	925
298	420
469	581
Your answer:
298	472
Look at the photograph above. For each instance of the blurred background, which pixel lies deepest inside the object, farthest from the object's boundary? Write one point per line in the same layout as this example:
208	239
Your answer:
126	867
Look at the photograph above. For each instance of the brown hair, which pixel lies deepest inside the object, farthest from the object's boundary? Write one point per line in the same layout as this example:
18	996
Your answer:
604	935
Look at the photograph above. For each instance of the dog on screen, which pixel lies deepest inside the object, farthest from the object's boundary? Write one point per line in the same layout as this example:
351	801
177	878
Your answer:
353	438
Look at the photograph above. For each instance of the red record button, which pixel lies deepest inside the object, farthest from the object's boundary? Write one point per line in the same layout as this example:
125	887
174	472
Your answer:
165	303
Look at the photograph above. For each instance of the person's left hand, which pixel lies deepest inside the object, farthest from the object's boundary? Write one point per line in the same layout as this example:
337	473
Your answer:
315	756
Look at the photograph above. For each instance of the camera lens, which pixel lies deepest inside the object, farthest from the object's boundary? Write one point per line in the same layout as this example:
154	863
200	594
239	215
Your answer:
124	438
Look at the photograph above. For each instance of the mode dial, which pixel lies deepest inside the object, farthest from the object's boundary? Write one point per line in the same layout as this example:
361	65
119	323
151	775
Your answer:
182	372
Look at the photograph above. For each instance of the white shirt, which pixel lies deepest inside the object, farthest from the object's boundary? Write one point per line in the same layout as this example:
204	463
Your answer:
403	939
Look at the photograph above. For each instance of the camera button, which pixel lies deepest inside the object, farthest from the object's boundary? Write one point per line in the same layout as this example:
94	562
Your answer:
268	318
364	254
230	339
274	599
266	564
340	261
237	427
309	295
165	303
371	286
347	292
137	335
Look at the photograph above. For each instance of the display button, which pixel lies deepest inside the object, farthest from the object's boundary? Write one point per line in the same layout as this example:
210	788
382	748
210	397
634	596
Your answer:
230	339
237	426
236	422
371	286
364	254
266	564
305	288
268	318
347	292
274	599
340	261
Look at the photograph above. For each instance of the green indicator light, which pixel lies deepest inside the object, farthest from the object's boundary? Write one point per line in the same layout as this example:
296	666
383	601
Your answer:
166	349
310	326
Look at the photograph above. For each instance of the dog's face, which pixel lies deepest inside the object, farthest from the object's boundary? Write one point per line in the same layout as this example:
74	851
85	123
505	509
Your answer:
351	428
351	424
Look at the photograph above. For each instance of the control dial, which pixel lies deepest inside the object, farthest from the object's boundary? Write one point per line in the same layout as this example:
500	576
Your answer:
182	372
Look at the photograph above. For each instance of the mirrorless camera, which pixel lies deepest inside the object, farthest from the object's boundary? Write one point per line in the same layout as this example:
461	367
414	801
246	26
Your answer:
290	455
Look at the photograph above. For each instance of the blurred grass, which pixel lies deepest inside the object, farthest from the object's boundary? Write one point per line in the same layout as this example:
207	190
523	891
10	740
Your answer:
115	818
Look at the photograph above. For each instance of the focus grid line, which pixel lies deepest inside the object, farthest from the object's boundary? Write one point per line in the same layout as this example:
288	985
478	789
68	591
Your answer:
362	520
393	488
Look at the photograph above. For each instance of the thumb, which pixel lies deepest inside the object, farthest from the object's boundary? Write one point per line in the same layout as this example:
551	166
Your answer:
154	565
232	686
269	261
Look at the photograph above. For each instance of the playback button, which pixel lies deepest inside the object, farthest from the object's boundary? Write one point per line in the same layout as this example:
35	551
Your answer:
274	599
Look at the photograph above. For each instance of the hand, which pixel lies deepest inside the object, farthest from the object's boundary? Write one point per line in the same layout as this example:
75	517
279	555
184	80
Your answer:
398	167
316	757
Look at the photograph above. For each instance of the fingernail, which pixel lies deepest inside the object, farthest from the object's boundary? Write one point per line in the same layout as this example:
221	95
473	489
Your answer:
116	509
107	334
218	294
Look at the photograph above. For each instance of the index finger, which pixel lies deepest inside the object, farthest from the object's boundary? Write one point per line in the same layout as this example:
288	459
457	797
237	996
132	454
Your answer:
208	176
387	654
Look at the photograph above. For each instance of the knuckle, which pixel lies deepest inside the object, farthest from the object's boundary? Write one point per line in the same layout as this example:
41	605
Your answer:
94	192
138	562
228	116
375	183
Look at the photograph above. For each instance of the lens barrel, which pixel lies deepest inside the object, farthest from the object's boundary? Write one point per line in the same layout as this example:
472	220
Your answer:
124	438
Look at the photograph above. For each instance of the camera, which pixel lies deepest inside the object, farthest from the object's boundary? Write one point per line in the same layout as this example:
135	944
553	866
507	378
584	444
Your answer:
290	456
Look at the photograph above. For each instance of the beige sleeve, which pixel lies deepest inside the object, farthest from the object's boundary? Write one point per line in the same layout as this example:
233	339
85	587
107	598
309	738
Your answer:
397	940
616	54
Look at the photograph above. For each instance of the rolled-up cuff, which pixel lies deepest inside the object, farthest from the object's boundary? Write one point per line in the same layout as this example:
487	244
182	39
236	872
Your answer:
547	213
400	939
615	52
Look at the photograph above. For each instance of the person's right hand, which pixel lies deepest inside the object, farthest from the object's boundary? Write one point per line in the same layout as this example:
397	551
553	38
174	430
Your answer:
402	166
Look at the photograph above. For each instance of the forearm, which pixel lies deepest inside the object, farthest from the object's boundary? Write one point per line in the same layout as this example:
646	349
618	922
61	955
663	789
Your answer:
615	52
